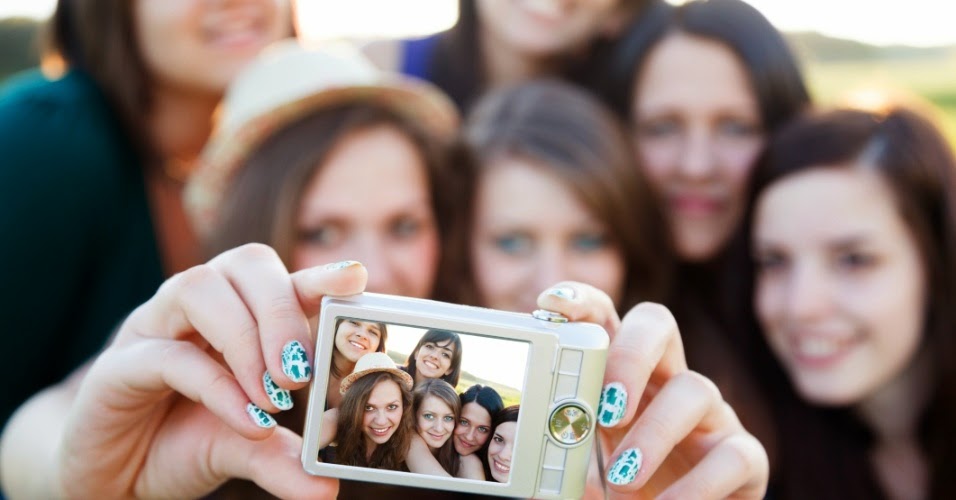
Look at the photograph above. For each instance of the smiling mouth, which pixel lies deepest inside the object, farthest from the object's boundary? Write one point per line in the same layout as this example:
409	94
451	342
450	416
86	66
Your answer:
467	444
436	437
502	468
432	365
381	432
358	346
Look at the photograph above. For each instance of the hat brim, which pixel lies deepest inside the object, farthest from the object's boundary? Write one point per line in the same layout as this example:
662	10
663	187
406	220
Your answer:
352	377
413	99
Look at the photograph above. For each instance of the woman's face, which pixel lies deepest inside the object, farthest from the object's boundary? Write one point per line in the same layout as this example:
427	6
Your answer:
530	232
698	131
542	28
370	202
354	339
473	429
194	45
433	360
383	412
499	451
840	286
436	421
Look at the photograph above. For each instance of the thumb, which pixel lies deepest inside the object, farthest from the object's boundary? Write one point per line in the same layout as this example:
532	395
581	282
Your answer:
273	463
341	278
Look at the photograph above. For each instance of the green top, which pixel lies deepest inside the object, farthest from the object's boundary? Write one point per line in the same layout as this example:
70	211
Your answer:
78	249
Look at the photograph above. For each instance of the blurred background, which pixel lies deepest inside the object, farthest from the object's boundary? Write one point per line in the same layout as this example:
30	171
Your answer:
850	49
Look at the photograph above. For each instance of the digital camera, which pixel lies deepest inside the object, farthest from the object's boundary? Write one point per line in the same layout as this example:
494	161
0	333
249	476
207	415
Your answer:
376	422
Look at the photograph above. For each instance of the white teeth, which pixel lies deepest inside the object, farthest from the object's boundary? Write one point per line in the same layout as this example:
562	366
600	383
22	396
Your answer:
380	432
358	346
502	467
818	347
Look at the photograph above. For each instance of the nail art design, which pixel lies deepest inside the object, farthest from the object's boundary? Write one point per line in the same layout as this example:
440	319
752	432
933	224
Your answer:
335	266
295	364
260	417
626	467
280	397
562	292
613	404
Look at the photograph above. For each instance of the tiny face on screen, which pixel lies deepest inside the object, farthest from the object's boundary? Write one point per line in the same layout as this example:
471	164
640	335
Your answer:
427	394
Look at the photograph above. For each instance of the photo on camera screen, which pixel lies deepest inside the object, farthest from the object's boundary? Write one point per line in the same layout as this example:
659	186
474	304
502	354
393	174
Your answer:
423	401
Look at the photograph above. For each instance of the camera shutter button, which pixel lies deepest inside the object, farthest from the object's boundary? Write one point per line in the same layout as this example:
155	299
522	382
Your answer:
550	316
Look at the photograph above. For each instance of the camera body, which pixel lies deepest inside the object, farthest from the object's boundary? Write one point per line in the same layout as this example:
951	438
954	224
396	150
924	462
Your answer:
554	368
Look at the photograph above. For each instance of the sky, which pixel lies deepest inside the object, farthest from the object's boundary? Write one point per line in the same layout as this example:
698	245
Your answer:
501	361
913	22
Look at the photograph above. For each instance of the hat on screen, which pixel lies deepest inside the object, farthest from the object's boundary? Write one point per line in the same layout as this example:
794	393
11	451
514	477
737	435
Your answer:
287	82
371	363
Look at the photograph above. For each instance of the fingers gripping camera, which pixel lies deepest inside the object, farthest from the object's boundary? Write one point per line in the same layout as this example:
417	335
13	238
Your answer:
428	394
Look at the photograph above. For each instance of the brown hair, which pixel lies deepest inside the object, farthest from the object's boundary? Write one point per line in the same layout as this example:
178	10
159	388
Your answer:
436	336
381	344
507	414
570	133
919	168
447	456
98	38
266	191
352	448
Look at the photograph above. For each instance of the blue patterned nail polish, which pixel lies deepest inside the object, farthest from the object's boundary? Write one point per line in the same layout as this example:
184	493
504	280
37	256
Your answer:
280	397
613	404
626	467
562	292
260	417
295	363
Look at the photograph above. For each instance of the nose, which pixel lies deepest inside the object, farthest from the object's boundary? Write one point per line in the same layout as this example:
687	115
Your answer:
808	296
552	268
505	453
470	435
696	158
379	418
371	251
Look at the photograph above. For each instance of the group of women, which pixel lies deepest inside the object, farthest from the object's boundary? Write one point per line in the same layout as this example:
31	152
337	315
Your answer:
808	255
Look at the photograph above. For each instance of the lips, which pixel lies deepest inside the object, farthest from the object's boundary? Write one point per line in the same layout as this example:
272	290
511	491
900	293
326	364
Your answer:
695	205
437	437
820	351
464	443
358	346
502	468
235	33
380	432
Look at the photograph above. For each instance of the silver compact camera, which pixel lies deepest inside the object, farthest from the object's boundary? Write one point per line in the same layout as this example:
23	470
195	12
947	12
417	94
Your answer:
433	395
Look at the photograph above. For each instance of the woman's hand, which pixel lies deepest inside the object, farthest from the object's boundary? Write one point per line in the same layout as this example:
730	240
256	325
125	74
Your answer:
665	430
174	406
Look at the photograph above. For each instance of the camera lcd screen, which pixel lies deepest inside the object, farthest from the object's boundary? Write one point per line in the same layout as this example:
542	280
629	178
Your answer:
423	401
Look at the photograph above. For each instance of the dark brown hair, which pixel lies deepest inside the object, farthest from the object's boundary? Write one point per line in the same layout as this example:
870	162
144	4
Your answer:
381	344
918	167
263	200
508	414
568	132
447	456
456	65
770	64
352	448
436	337
98	38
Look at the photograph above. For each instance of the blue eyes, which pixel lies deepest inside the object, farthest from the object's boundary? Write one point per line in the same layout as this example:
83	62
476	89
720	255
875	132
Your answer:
431	416
325	236
513	244
405	228
525	245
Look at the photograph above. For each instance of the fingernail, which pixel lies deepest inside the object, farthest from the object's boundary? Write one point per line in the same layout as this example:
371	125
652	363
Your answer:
295	364
562	292
280	397
626	467
260	417
613	404
335	266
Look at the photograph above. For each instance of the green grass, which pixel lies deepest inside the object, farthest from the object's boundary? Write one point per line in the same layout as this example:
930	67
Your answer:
929	80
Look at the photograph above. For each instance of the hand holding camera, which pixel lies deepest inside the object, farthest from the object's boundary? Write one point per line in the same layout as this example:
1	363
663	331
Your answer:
665	431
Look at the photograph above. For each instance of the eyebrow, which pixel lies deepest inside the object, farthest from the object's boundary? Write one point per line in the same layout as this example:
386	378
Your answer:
444	346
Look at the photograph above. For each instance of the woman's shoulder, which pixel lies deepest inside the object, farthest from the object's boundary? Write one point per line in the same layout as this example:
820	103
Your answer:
61	129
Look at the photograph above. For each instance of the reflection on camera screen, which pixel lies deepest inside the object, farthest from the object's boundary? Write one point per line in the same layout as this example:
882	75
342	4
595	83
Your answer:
426	401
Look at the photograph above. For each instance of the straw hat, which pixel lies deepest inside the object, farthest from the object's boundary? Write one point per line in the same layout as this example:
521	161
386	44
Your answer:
375	362
287	82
